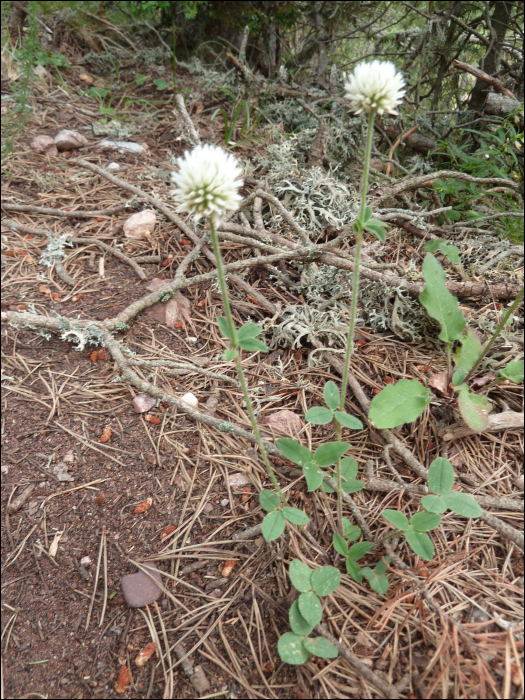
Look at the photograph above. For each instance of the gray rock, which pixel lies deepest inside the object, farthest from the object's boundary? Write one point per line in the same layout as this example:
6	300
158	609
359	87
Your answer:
139	589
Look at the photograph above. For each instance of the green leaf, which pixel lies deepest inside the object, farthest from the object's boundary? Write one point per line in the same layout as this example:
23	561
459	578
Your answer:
319	415
354	570
230	355
328	488
420	543
269	500
321	647
349	468
325	580
273	525
140	79
379	584
367	215
294	451
454	215
291	649
474	408
348	421
451	252
300	575
381	566
399	403
376	227
459	376
253	345
352	486
423	521
329	452
434	504
440	303
441	476
295	516
297	622
463	504
331	395
513	372
359	549
310	607
351	532
473	215
466	358
223	326
432	246
160	84
340	545
313	475
396	518
249	330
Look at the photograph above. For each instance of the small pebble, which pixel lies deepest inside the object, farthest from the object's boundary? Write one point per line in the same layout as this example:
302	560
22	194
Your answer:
85	561
225	502
207	508
139	590
238	480
143	403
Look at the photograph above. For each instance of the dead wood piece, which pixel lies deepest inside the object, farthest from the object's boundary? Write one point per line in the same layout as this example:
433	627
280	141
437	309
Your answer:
319	145
485	77
507	420
32	209
194	134
19	501
421	180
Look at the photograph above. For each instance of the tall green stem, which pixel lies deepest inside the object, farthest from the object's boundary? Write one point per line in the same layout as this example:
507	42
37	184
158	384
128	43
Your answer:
496	333
234	340
358	228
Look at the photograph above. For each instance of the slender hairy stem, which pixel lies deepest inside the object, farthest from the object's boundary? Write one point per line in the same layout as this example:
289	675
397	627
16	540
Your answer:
358	228
234	342
496	333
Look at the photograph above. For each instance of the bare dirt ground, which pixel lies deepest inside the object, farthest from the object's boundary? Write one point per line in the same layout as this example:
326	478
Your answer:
67	630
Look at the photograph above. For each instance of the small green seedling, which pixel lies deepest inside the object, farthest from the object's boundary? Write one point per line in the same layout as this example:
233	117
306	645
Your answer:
440	482
306	612
274	523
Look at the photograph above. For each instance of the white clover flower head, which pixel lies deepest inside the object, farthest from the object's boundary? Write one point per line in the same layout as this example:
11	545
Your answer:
207	182
375	86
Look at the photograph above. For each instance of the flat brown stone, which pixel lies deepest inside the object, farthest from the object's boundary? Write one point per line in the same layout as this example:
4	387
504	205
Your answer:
139	589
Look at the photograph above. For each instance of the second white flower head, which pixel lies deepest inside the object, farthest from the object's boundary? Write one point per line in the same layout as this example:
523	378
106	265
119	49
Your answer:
207	182
375	86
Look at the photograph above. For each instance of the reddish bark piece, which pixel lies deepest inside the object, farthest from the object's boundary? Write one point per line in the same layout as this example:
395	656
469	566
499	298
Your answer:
94	356
77	297
167	532
143	507
139	589
245	494
55	296
101	355
145	654
100	500
228	568
106	434
123	680
154	420
439	382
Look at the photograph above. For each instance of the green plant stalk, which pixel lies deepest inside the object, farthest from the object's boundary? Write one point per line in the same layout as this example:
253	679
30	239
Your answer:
353	306
173	59
235	346
496	333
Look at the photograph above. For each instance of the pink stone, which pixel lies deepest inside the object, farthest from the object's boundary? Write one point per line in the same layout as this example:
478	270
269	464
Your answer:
67	140
143	403
284	421
140	224
139	589
44	145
